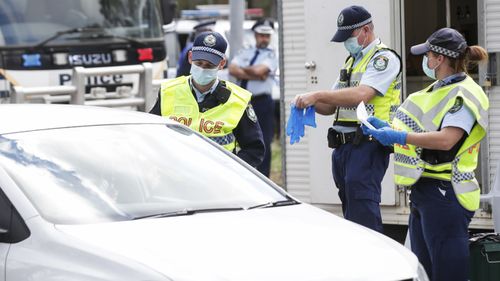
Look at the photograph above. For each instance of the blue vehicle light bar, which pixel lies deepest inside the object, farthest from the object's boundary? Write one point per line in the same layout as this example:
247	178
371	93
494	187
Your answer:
31	60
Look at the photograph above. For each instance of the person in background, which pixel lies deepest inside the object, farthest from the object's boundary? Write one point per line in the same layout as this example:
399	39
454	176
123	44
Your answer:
220	110
371	74
183	65
255	69
436	134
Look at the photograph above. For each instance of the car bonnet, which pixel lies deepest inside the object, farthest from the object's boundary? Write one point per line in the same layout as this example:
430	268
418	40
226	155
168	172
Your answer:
291	243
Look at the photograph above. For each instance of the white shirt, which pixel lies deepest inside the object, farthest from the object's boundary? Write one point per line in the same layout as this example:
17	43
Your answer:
265	57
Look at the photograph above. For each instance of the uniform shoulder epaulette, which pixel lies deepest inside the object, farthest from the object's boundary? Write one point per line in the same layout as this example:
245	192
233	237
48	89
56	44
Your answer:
385	48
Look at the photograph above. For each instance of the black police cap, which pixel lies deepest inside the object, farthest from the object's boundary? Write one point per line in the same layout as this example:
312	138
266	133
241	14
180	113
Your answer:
446	41
350	19
210	46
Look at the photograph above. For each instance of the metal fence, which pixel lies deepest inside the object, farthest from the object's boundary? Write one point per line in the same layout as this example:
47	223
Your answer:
75	93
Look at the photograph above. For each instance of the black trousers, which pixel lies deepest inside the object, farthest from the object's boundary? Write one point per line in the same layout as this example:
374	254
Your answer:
264	109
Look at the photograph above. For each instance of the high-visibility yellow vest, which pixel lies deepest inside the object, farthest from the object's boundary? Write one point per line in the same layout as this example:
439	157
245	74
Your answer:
424	111
382	107
217	123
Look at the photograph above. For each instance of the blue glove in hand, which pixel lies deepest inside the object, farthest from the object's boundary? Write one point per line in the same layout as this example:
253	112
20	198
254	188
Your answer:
295	125
309	117
377	123
290	124
386	135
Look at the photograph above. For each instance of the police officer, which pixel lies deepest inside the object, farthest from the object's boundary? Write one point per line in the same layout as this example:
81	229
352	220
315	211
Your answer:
255	68
437	134
183	65
371	74
217	109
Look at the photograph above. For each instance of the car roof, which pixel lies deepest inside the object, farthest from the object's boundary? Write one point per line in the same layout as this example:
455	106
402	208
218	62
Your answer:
30	117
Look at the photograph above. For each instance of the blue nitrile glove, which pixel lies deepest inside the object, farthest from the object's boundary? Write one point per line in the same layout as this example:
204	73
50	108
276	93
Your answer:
377	123
295	126
386	135
309	117
290	124
299	123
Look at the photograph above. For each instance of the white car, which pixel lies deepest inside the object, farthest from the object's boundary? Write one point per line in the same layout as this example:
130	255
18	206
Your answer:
94	194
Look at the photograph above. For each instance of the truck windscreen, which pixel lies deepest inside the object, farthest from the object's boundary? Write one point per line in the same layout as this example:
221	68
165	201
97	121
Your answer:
29	22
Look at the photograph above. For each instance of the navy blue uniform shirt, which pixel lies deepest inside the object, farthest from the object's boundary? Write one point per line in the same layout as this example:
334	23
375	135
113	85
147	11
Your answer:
183	65
247	133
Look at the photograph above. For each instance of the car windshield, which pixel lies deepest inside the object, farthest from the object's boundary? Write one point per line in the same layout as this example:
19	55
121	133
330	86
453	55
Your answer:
28	22
121	172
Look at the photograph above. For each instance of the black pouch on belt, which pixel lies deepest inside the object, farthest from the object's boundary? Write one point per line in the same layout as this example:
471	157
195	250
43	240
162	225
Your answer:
358	137
333	139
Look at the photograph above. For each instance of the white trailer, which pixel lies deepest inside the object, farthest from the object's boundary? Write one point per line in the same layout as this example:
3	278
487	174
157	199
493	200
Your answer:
309	62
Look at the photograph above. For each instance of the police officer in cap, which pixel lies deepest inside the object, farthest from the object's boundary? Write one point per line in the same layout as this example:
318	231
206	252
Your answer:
183	65
371	74
255	68
436	139
217	109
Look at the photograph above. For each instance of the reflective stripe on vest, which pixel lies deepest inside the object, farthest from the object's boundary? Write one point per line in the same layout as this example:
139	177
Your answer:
224	140
424	112
382	107
217	123
429	120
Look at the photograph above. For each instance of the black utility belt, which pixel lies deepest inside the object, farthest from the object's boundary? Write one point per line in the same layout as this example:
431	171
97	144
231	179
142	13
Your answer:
336	139
260	96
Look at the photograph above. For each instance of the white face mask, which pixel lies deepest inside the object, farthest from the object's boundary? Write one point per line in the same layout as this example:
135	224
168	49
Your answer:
203	76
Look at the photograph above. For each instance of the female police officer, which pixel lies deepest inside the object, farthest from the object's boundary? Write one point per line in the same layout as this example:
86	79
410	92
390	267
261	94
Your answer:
436	135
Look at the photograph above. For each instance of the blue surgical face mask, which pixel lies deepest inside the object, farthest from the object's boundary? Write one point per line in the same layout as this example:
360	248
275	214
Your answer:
431	73
203	76
352	46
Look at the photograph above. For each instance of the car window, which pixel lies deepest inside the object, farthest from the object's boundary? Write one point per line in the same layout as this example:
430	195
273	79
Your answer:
119	172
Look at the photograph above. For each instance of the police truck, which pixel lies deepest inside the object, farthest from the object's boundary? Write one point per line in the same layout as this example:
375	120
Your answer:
42	40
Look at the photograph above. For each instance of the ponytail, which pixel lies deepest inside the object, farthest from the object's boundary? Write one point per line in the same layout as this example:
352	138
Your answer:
476	54
472	56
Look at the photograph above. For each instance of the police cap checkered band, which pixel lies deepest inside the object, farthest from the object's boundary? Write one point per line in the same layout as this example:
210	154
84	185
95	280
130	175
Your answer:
354	26
442	51
209	46
208	50
349	19
446	41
